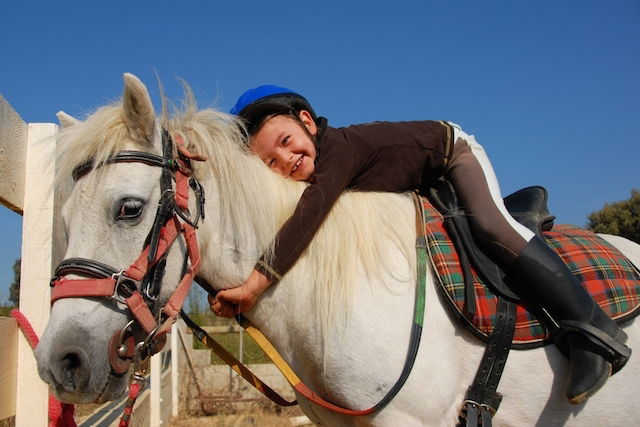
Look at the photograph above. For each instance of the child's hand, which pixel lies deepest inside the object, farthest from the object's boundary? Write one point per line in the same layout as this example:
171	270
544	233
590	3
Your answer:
222	308
230	302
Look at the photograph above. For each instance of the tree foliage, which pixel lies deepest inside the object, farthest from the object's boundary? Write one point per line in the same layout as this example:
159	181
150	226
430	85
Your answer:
620	218
14	290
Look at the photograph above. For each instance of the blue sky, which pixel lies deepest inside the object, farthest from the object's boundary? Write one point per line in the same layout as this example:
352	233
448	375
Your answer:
550	88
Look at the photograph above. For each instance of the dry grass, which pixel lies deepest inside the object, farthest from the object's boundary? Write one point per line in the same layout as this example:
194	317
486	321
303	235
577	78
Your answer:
251	416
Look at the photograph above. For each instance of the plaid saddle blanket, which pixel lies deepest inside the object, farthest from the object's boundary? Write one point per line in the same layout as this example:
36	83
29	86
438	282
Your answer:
609	276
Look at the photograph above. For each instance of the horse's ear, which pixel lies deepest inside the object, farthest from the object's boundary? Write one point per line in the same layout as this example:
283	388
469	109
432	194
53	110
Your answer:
66	120
139	115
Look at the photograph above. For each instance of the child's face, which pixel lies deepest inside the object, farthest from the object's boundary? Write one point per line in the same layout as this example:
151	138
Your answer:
285	147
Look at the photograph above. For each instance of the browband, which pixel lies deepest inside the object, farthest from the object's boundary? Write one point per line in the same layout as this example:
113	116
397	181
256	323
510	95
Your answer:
125	156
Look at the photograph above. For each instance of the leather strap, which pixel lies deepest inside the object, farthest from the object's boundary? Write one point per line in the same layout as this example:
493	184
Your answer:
68	288
482	396
234	363
443	196
124	156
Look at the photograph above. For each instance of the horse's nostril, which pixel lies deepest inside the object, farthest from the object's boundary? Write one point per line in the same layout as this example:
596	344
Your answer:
71	362
71	372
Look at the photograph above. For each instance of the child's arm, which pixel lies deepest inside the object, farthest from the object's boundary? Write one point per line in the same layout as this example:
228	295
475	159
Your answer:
230	302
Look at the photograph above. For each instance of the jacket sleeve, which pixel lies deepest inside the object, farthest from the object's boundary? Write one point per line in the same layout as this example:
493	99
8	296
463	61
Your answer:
332	176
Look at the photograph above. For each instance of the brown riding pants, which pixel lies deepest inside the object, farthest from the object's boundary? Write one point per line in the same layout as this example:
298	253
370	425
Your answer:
472	175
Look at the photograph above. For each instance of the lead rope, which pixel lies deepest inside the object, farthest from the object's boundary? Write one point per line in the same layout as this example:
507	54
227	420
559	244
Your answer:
136	384
60	414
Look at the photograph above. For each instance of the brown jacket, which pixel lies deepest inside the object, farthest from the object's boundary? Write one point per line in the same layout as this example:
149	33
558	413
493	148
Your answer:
379	156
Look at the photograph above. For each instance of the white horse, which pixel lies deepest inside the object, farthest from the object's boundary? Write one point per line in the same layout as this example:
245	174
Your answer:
342	315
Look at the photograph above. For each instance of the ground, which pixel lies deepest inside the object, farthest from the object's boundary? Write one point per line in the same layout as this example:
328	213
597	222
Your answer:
247	417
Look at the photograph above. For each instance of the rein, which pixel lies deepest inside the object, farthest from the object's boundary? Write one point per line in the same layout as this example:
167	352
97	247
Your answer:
138	286
287	371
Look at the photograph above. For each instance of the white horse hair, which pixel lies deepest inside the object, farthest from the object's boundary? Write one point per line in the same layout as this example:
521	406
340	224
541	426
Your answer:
341	317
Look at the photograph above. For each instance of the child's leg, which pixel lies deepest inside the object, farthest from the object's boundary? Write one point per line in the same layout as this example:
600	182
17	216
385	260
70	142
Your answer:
540	272
477	188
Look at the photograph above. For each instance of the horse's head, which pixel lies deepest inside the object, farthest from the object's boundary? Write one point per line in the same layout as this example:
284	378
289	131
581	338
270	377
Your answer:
131	251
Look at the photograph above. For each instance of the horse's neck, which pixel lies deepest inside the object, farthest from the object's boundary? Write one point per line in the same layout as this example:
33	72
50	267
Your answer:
242	219
232	239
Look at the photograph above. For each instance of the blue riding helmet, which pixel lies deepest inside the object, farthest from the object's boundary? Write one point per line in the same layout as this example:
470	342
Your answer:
268	100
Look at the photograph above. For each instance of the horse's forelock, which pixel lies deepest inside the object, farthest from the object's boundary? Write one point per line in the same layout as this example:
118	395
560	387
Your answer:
97	138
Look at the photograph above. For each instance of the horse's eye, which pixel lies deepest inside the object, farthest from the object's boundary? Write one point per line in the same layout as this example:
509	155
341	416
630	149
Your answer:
130	209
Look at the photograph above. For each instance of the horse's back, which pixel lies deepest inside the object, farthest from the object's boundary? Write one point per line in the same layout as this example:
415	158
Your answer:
628	247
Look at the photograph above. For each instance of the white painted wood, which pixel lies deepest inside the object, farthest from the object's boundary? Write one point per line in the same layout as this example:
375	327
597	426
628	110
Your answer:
13	138
8	363
155	410
175	351
37	229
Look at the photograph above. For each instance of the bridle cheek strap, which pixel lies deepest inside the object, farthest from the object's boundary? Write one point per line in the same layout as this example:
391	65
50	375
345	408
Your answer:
172	308
168	234
109	284
182	190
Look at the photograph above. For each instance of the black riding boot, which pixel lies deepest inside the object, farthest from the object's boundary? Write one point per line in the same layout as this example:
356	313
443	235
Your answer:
595	342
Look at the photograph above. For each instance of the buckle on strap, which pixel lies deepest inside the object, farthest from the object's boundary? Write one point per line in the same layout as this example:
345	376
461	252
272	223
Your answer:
476	414
124	287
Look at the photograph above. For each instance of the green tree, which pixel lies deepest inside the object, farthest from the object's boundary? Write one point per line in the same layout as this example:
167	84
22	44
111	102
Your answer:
620	218
14	290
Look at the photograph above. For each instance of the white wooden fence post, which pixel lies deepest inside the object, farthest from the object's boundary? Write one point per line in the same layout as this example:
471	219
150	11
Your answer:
174	370
13	142
37	243
155	410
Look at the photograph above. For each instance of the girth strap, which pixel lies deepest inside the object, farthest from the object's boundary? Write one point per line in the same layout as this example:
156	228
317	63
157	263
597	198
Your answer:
482	399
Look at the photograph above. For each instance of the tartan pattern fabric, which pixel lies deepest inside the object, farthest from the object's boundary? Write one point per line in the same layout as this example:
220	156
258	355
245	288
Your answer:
611	279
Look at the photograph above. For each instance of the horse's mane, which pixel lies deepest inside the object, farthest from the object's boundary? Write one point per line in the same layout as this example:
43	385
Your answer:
353	240
255	202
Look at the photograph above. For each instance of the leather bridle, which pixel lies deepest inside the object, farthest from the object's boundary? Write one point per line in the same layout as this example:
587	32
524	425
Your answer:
138	286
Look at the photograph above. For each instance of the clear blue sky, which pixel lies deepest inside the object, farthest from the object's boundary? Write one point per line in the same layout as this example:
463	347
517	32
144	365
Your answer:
550	88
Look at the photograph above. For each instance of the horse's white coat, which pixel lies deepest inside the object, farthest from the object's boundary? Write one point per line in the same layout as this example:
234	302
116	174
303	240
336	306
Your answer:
346	340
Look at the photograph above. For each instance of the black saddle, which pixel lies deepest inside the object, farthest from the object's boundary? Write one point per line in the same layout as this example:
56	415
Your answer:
528	206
